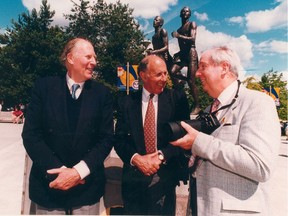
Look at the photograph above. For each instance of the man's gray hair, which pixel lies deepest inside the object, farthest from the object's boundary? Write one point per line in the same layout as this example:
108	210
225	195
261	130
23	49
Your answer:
225	54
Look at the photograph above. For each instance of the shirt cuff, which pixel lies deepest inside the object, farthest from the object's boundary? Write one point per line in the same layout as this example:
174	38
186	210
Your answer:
82	169
132	159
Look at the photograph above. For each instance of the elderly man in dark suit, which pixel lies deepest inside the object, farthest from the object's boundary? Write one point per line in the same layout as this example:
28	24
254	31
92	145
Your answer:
149	172
67	134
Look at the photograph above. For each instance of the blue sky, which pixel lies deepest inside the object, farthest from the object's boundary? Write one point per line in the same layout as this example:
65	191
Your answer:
256	29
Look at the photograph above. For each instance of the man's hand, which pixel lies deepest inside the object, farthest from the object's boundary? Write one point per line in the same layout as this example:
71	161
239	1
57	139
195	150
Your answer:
175	34
186	141
148	164
66	179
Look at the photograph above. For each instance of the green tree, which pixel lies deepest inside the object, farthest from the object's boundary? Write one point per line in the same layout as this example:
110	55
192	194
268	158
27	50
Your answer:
251	83
31	50
272	79
114	32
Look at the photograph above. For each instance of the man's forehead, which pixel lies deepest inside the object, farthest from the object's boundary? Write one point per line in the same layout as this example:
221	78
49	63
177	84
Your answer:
205	56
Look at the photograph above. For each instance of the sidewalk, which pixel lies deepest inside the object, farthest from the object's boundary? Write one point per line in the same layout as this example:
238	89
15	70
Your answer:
12	164
12	156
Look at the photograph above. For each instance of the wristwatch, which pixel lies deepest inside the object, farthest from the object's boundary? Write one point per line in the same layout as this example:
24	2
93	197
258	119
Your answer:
161	157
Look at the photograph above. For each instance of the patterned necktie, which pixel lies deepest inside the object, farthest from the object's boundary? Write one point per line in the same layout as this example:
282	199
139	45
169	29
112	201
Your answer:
215	105
74	88
149	127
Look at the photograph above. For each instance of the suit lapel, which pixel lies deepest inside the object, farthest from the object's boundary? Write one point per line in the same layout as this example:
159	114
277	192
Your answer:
164	107
136	120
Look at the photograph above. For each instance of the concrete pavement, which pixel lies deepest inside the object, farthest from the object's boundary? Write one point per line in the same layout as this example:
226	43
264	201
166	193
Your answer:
12	160
12	167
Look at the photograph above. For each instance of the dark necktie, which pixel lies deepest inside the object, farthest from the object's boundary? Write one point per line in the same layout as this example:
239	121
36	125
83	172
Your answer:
74	88
149	127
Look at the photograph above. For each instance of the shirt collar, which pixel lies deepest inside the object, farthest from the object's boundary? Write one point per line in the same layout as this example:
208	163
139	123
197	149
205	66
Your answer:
146	95
228	93
70	82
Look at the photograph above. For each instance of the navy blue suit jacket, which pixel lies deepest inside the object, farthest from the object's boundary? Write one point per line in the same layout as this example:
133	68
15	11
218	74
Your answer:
129	137
50	143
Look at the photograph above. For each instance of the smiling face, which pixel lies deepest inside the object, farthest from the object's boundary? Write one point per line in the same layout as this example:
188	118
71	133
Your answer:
210	75
155	76
81	61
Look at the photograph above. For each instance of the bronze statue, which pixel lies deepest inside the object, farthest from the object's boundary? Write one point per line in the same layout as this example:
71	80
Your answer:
160	42
187	56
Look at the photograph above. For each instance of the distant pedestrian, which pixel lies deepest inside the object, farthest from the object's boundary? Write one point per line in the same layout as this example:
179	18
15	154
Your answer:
17	115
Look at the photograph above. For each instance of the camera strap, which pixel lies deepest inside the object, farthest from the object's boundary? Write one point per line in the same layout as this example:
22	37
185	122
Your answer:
232	102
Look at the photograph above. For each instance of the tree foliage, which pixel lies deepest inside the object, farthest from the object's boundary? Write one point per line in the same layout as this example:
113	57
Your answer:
114	32
31	50
32	46
272	79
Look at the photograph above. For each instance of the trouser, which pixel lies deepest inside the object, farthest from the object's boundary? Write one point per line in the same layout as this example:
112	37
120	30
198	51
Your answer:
193	195
157	198
81	210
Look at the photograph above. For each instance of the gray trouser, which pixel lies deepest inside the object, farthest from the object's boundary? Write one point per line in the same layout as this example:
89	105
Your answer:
82	210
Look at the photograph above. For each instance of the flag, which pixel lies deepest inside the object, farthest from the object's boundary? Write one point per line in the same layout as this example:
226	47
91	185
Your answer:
273	92
125	80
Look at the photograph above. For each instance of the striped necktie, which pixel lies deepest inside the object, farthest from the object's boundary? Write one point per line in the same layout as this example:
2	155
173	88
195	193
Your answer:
74	88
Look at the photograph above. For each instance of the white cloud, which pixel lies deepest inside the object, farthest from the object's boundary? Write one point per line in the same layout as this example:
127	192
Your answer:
236	20
147	10
242	45
285	75
265	20
272	46
60	7
201	17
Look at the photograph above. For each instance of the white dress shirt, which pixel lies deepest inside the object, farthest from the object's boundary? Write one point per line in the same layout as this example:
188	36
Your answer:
70	82
145	100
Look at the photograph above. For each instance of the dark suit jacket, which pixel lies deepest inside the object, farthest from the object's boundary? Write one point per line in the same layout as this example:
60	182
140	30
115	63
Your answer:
51	144
129	135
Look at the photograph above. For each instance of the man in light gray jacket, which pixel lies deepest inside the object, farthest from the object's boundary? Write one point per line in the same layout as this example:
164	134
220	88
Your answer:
238	158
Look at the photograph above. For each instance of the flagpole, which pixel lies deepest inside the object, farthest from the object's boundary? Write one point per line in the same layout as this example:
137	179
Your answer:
127	79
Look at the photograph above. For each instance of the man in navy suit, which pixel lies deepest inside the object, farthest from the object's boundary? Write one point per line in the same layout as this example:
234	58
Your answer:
68	137
149	177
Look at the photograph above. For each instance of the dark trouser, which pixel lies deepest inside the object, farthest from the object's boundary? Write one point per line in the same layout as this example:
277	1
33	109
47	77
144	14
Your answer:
157	198
193	195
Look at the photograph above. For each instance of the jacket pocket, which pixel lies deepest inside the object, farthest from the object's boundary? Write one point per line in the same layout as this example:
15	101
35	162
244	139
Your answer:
247	206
